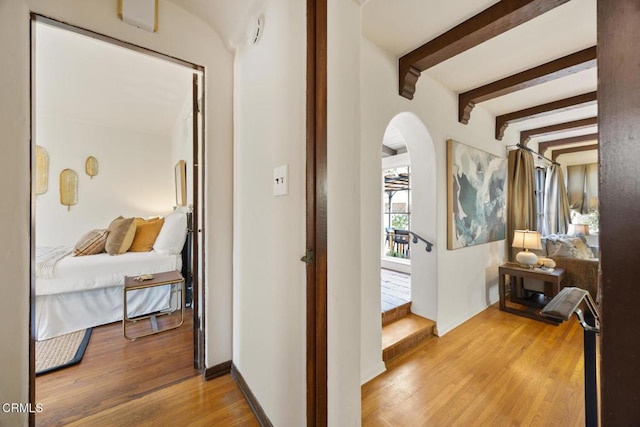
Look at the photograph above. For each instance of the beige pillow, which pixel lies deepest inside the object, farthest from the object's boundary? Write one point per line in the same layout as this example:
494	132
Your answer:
146	233
121	234
91	243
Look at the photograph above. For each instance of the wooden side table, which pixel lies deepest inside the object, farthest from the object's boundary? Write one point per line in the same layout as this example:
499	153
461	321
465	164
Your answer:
528	306
159	279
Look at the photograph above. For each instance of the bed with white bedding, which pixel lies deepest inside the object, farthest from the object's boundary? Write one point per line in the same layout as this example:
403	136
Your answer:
86	291
82	287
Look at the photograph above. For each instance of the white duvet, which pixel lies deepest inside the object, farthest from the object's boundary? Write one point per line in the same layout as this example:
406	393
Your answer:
73	274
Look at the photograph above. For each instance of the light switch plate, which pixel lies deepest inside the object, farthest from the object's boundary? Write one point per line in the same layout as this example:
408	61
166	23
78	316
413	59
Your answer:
281	180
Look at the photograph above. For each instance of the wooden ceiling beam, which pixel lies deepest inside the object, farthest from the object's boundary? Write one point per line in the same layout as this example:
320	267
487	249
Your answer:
542	110
526	135
489	23
561	67
544	146
557	153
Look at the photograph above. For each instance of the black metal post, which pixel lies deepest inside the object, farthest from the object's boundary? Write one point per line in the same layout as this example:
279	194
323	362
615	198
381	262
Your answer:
590	382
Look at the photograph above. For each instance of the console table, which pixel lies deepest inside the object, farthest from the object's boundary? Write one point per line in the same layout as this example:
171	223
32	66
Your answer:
172	278
528	303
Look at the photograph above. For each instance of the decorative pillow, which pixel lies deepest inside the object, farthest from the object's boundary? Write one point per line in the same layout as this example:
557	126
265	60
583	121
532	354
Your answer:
583	251
91	243
146	234
121	234
558	248
172	235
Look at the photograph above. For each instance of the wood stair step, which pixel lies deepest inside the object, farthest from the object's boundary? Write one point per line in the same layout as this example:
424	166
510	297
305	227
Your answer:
396	313
405	333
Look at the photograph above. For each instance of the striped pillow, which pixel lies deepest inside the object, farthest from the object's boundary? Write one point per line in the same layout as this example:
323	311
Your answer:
91	243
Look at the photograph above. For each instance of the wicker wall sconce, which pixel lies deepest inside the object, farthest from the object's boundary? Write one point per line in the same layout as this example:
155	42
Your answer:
68	188
42	170
91	166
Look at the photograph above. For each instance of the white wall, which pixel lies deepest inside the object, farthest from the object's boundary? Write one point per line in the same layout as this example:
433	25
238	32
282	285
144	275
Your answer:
343	217
182	142
14	209
269	304
177	31
135	177
467	279
580	158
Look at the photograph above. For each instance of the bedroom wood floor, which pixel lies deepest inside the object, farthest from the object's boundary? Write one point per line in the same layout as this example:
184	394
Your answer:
122	382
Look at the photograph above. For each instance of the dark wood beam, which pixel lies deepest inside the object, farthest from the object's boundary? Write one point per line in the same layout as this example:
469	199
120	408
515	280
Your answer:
491	22
542	110
561	67
526	135
388	151
557	153
619	128
544	146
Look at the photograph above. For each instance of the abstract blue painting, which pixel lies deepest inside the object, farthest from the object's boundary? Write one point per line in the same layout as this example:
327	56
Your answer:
476	202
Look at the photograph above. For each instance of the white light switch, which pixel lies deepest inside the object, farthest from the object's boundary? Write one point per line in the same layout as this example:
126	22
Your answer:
281	180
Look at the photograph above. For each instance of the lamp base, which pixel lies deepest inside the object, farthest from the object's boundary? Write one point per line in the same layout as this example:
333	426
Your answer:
527	259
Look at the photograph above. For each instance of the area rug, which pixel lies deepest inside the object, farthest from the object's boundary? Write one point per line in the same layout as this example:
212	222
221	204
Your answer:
60	352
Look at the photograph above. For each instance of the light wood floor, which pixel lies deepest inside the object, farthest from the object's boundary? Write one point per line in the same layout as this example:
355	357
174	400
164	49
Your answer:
150	381
496	369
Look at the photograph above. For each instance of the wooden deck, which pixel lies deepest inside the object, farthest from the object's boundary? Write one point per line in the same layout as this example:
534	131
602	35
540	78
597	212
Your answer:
395	288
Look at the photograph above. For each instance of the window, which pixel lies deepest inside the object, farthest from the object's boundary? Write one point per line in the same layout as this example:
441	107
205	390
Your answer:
397	211
541	174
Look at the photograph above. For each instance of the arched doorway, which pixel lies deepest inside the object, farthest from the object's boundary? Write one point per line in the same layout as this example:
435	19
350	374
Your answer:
411	156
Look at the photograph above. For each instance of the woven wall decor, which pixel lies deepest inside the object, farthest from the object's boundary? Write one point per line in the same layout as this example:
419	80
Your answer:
91	166
42	170
68	188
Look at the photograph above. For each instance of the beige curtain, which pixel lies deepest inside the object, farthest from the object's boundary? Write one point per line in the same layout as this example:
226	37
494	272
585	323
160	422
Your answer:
582	187
590	188
556	203
521	204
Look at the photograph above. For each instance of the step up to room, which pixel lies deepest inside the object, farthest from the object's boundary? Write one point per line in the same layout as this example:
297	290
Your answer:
395	313
405	333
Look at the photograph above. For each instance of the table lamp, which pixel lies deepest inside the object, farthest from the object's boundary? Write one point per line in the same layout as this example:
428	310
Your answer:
527	240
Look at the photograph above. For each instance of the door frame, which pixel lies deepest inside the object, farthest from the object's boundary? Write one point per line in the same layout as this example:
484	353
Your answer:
198	170
316	209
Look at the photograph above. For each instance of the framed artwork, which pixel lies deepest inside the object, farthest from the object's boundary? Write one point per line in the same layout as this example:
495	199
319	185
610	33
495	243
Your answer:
476	196
181	183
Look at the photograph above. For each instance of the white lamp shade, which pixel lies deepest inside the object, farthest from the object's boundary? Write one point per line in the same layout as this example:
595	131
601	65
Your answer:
526	239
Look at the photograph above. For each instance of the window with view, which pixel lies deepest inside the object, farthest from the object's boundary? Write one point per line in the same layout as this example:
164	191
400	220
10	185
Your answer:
397	211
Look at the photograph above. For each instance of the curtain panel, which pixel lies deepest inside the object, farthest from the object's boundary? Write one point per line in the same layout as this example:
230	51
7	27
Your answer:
521	204
582	185
556	217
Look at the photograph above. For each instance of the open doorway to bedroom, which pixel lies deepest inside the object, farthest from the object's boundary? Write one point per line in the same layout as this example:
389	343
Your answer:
116	191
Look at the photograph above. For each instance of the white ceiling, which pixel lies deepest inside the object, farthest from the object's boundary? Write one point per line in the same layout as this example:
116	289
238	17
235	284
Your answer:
229	18
399	26
85	79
